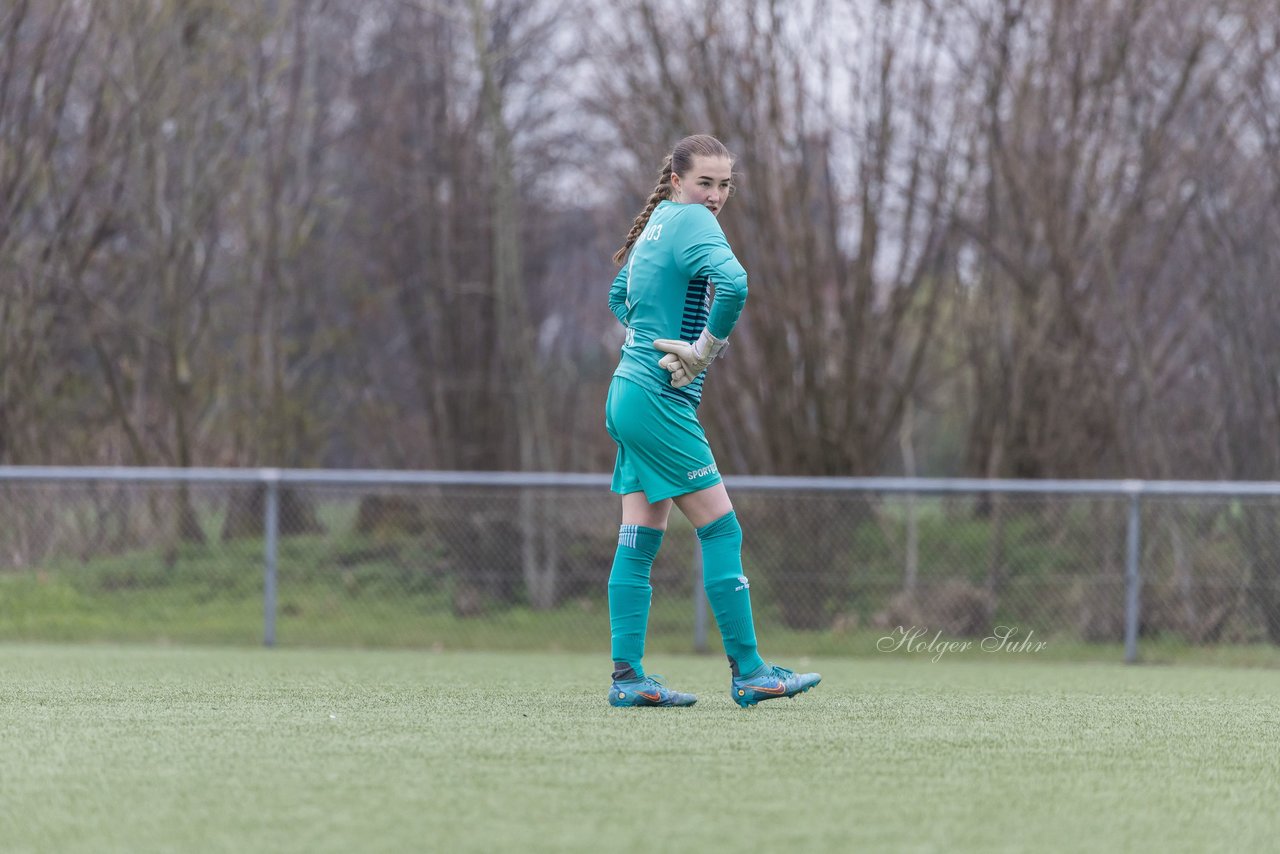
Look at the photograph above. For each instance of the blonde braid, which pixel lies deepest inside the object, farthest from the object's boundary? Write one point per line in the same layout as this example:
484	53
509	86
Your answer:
660	192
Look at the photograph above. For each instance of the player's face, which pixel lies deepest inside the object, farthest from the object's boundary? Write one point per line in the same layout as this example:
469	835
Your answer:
706	183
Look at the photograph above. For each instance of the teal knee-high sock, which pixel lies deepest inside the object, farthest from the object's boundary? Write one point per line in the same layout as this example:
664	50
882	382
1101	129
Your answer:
630	596
728	591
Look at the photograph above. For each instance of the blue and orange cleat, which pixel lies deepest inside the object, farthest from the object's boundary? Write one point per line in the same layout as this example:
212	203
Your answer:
648	691
768	683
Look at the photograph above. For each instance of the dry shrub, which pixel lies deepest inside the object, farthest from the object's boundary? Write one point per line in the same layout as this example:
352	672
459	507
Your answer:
955	608
1100	610
390	514
1198	612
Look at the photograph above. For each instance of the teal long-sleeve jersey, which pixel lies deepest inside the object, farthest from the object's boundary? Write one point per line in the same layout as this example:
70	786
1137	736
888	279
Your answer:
664	291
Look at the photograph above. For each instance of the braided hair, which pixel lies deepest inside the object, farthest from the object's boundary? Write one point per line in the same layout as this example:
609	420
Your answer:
678	162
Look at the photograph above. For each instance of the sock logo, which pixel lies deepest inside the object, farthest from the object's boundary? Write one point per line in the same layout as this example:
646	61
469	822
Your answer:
743	584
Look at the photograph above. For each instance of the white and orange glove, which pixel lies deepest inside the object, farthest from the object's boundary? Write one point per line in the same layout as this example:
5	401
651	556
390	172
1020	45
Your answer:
684	360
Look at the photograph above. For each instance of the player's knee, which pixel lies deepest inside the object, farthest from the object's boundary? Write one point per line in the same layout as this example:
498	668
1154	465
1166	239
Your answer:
723	532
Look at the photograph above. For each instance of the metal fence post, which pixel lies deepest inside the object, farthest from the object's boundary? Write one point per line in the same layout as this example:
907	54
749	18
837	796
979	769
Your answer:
271	527
1133	578
699	602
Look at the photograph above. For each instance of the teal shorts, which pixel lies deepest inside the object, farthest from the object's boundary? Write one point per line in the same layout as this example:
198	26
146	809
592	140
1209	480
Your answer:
662	450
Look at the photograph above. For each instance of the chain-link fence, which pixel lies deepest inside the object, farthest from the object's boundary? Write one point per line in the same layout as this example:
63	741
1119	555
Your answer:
510	561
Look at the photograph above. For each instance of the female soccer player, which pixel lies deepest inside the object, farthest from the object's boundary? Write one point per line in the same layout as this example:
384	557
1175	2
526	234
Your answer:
674	253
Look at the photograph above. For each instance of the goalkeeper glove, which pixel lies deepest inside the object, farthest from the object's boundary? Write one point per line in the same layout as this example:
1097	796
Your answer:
684	360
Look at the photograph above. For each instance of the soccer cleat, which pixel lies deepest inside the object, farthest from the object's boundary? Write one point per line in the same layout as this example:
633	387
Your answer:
648	691
770	682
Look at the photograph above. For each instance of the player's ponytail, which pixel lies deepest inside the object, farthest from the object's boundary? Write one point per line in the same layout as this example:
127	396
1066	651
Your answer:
678	162
660	192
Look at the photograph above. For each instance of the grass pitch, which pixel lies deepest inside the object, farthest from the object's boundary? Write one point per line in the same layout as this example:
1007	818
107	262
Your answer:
108	748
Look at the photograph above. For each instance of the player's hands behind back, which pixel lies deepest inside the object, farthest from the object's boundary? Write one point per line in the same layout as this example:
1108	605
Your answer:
686	360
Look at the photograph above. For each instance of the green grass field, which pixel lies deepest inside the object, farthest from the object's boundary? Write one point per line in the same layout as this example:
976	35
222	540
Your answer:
214	596
146	748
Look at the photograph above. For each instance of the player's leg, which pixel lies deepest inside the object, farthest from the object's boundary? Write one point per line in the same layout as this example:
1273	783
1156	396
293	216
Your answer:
728	590
630	592
630	597
729	593
636	510
639	538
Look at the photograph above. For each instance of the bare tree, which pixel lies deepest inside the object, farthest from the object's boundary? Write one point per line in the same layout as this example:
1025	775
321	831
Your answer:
62	166
1091	135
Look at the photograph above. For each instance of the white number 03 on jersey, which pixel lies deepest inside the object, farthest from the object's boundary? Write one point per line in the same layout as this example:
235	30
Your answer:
651	231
